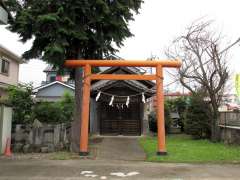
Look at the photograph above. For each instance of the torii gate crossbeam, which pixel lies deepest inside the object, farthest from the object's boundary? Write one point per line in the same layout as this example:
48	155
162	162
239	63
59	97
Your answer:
88	76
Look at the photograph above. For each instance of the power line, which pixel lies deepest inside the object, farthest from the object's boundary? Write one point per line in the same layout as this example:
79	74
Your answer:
170	83
174	75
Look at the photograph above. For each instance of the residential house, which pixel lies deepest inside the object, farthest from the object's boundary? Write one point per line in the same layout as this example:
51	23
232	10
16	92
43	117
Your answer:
9	69
54	86
52	75
53	91
3	13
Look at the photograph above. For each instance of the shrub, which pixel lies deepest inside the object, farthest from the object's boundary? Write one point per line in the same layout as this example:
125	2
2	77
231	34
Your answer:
25	111
152	119
55	112
178	105
19	97
47	112
197	118
67	106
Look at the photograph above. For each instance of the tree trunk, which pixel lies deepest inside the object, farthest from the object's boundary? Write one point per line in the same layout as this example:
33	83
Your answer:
214	125
76	124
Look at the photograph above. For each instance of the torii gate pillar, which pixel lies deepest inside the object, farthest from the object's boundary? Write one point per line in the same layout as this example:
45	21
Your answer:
85	111
160	112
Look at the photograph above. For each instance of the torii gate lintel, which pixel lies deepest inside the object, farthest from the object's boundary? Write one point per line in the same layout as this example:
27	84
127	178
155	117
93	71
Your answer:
87	64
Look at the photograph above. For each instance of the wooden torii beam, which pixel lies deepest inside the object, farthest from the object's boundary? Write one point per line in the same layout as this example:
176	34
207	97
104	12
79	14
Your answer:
87	64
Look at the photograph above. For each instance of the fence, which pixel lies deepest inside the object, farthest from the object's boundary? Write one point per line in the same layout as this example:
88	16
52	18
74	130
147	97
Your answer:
229	124
229	119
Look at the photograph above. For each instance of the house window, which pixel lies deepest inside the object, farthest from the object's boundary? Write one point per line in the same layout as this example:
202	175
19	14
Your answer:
4	66
52	78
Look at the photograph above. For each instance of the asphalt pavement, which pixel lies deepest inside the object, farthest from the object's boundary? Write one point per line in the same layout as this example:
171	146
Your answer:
112	170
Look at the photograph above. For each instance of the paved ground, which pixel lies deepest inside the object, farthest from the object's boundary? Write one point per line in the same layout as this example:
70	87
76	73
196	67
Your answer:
101	169
117	158
119	148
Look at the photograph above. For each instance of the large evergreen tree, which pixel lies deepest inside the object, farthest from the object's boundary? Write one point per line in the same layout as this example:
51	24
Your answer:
72	29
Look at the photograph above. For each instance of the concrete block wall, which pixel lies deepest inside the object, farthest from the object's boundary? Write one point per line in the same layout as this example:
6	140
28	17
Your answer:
230	135
43	138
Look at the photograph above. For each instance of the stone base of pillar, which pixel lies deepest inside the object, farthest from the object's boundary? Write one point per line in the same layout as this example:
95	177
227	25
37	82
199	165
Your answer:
162	153
83	153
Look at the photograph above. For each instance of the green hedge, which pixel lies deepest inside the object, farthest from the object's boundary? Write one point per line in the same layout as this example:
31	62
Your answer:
152	119
55	112
25	110
197	118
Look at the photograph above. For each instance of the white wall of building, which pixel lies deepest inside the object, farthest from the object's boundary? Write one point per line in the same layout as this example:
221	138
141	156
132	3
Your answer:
5	126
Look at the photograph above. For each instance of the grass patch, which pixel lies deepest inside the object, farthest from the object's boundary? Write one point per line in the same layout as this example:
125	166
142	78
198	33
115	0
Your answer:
181	148
62	155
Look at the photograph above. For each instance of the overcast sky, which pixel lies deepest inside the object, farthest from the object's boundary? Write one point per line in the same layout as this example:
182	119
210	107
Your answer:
158	23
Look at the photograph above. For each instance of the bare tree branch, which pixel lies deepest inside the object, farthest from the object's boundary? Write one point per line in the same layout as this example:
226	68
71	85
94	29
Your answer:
203	65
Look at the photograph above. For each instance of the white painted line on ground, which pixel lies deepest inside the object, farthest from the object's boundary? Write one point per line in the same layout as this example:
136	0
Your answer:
120	174
91	175
103	177
86	172
132	173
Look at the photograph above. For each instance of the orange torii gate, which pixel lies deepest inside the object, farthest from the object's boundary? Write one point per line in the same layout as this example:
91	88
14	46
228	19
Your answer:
87	64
